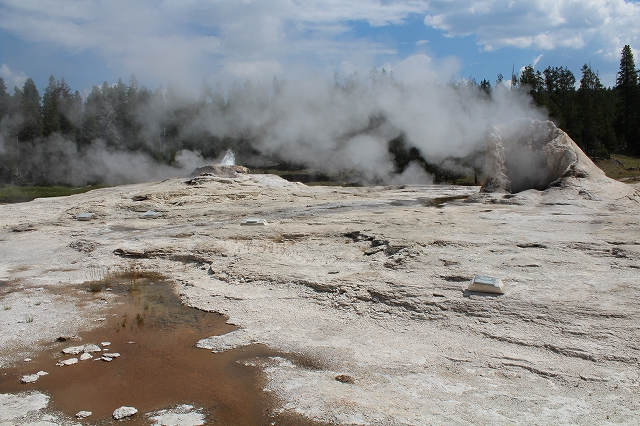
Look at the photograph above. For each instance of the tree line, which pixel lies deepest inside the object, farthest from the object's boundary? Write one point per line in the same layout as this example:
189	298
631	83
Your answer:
132	118
601	120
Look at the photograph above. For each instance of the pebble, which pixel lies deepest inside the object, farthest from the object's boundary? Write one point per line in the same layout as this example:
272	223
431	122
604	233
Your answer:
31	378
123	412
69	361
85	356
91	348
73	350
83	414
105	343
27	360
111	355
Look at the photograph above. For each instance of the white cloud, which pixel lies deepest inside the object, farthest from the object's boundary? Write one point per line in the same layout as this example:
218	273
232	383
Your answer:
177	39
12	78
188	39
540	24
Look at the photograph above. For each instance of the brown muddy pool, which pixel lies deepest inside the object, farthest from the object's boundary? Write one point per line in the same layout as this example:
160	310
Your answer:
159	366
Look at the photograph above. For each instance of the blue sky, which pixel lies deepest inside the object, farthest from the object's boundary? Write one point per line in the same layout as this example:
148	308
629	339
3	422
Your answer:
185	41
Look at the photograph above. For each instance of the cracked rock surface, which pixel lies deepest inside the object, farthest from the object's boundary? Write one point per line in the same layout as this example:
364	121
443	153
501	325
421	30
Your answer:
369	284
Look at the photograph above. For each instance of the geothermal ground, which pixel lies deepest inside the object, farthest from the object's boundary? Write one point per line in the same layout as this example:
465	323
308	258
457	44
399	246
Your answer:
350	304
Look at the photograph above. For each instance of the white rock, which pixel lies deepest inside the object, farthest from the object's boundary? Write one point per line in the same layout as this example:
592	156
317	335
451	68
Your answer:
73	350
83	414
69	361
91	348
105	343
85	356
123	412
105	358
29	378
27	360
111	355
183	415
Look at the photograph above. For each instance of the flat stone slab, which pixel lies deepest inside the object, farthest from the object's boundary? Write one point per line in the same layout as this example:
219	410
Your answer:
66	362
73	350
252	221
84	216
484	284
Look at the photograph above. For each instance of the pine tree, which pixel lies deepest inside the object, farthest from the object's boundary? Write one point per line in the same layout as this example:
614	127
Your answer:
5	99
51	115
31	111
627	125
91	113
533	83
57	108
560	93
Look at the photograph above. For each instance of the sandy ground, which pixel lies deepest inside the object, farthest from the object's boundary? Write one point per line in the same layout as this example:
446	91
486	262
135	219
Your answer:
367	283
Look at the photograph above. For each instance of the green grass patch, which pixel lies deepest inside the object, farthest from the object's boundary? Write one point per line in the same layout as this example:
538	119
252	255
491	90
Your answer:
21	194
621	167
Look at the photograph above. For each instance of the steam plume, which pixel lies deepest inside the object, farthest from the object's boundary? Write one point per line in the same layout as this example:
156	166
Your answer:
331	127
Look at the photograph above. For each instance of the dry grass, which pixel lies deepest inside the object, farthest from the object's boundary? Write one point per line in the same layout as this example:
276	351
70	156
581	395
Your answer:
103	278
621	167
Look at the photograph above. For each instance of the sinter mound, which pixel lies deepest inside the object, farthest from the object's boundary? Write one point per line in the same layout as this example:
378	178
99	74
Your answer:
220	170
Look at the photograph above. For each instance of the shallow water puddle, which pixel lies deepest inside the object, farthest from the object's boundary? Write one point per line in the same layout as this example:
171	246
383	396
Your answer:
159	366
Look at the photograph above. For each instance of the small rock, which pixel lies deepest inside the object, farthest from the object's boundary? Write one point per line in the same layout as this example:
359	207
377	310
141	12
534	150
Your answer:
150	215
69	361
83	414
124	412
27	360
85	356
104	358
73	350
345	378
111	355
91	348
333	272
30	378
105	343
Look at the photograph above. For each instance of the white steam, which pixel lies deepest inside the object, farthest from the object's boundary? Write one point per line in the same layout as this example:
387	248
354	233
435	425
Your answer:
335	129
229	158
330	127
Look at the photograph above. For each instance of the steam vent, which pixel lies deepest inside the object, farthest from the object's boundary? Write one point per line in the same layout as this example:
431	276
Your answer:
532	154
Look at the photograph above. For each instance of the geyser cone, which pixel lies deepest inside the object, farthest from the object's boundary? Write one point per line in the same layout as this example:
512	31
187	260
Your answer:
533	154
